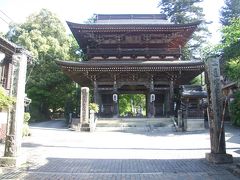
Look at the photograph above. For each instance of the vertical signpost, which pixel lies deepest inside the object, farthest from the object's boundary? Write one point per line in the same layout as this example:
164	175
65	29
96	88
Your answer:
84	112
12	153
216	126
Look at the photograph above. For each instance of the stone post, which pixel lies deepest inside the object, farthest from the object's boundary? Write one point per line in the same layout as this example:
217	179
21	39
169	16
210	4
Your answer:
92	121
217	134
180	119
12	153
84	111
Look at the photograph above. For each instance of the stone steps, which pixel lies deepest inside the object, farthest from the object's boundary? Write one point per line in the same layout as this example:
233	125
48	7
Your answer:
129	124
133	122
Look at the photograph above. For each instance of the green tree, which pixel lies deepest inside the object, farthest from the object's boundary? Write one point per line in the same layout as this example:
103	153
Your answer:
75	52
128	102
230	10
230	45
187	11
231	49
231	58
181	11
124	104
44	35
235	109
198	80
92	19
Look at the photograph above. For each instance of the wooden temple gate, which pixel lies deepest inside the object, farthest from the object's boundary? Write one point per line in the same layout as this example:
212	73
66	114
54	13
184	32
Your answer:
133	54
141	53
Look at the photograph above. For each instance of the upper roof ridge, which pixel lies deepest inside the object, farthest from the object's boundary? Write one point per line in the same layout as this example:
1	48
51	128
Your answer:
130	16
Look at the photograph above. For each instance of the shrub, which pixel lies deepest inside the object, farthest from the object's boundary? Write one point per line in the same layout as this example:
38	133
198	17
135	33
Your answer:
26	117
94	107
235	109
26	130
5	100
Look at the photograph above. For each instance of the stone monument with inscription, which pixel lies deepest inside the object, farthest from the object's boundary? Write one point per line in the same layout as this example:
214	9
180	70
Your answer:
216	124
12	152
84	111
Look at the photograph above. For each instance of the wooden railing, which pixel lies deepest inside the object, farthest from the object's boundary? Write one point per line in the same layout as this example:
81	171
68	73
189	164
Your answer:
134	52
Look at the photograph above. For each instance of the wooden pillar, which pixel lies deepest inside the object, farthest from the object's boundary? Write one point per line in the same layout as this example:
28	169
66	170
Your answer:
217	134
115	99
185	117
95	92
115	105
148	105
187	105
166	103
180	120
151	99
101	108
171	98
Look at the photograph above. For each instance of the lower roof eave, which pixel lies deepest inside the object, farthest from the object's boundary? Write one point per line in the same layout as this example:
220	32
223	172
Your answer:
132	66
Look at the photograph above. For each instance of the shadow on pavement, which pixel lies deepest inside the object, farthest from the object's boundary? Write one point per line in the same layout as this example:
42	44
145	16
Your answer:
66	168
55	124
234	133
30	145
152	131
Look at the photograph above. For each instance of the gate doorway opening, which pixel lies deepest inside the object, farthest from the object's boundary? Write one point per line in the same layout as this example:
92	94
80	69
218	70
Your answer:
132	105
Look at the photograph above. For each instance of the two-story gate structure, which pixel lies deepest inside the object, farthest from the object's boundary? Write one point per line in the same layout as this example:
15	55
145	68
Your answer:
133	53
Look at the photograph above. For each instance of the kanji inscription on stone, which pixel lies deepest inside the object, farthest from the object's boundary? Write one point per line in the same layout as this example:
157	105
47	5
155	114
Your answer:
84	113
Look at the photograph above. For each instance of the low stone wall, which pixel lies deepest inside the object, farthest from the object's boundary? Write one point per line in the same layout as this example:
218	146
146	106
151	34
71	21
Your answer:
195	124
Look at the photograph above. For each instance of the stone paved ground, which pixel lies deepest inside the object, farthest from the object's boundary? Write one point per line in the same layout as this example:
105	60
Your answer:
132	154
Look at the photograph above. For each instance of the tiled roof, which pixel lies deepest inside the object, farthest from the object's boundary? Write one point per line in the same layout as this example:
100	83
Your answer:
131	65
131	19
132	27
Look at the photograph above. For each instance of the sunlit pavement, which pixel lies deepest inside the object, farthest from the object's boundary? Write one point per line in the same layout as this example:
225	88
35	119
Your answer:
55	152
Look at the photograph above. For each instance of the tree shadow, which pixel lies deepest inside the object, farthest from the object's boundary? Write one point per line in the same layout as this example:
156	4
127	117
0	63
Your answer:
153	131
31	145
67	168
85	168
52	124
234	133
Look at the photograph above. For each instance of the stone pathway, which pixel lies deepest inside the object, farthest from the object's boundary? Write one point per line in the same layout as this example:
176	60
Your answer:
56	153
62	168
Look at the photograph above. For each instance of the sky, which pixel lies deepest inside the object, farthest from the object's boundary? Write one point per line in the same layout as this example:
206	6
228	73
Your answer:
80	10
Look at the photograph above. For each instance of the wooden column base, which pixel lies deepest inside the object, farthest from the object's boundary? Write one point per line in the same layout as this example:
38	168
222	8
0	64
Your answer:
219	158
